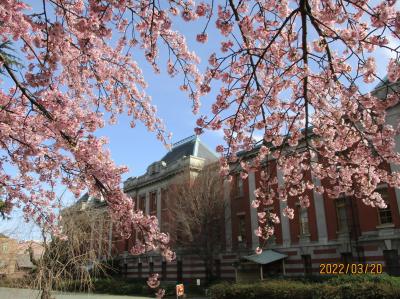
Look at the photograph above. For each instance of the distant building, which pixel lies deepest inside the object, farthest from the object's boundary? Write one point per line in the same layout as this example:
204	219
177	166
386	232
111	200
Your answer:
89	214
14	256
150	194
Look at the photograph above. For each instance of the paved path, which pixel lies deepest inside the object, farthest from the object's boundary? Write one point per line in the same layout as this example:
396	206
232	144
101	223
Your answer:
8	293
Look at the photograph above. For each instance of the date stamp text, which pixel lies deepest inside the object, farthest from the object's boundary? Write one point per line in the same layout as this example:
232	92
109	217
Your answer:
337	268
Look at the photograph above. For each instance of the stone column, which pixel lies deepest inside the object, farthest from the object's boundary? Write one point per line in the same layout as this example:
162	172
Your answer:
320	213
147	204
110	231
284	220
392	118
228	216
253	212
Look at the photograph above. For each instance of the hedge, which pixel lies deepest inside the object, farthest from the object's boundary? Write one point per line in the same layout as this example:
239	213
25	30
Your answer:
340	287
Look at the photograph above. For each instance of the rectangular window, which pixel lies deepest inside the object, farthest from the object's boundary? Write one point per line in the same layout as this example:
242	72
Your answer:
5	247
385	215
303	221
392	265
241	229
142	203
341	215
164	210
237	186
153	203
307	264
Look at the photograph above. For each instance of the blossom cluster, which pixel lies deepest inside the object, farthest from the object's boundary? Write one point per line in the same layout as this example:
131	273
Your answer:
294	73
79	71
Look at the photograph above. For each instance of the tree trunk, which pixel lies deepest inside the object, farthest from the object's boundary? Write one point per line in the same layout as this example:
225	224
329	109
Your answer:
46	293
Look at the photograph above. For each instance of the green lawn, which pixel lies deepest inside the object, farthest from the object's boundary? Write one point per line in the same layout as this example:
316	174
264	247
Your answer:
9	293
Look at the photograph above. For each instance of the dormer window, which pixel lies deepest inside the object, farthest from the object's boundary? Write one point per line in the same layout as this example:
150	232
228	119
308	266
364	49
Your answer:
154	168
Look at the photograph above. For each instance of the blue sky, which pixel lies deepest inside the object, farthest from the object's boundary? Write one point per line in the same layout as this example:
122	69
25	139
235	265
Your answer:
137	148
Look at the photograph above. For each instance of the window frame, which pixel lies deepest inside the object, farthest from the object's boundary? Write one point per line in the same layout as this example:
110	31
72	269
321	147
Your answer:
342	205
238	186
388	209
307	263
153	202
300	211
241	229
4	247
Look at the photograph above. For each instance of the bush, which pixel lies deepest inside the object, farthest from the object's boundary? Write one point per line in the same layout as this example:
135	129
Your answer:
23	282
119	287
340	287
271	289
358	290
382	278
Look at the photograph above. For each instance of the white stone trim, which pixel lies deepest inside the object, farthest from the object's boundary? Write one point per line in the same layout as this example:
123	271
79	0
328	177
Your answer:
228	217
284	220
253	212
320	214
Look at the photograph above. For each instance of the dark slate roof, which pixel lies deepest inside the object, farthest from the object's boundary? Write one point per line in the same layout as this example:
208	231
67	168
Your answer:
383	82
182	148
84	198
384	88
191	146
204	152
94	200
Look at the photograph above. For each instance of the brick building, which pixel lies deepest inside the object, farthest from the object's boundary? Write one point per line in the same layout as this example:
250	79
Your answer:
329	231
88	218
150	193
14	257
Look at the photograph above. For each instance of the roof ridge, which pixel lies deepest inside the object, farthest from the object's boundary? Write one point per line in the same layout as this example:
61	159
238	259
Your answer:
183	141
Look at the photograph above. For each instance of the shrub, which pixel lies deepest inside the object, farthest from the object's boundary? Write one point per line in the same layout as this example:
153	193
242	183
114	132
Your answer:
382	278
23	282
340	287
271	289
118	287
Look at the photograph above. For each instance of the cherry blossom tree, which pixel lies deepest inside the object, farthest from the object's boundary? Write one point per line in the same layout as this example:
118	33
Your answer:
290	71
77	68
295	72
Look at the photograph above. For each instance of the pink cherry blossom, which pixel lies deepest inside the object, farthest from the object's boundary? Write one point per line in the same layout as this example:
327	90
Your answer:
202	38
153	281
291	81
298	80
